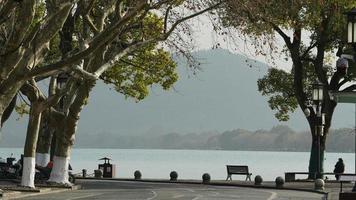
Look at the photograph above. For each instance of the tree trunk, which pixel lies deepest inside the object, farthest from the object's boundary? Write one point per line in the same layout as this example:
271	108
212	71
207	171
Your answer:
44	143
28	174
65	140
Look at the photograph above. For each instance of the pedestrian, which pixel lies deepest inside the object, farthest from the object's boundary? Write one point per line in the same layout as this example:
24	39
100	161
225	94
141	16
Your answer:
339	168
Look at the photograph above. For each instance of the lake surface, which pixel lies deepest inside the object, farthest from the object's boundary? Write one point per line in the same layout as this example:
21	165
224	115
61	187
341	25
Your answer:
191	164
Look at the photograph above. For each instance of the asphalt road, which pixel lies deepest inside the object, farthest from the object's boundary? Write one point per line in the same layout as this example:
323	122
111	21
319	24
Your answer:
106	190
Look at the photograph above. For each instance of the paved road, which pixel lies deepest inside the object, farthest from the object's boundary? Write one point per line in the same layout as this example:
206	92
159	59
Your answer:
161	191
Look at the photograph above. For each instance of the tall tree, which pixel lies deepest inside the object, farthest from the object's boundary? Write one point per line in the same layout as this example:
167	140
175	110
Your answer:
27	27
311	31
117	41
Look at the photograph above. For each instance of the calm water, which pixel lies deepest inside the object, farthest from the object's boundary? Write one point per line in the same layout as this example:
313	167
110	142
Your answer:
191	164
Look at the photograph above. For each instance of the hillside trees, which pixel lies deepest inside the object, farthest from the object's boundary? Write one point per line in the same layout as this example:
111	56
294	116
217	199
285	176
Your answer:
310	31
84	40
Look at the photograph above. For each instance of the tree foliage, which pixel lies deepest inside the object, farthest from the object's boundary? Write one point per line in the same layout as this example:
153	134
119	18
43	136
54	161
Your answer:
279	85
311	32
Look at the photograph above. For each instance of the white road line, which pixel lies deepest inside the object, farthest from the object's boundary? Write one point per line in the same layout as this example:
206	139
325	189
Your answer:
215	193
178	196
154	195
273	195
189	190
86	196
198	197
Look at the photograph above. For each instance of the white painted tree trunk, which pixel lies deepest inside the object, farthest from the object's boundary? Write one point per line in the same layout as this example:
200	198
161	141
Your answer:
28	173
42	159
59	172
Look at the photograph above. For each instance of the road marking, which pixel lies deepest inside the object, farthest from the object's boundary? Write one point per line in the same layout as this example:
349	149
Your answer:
154	195
215	193
198	197
178	196
187	189
81	197
273	195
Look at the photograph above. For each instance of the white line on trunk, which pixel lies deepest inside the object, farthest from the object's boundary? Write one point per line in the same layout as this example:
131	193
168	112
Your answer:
42	159
28	172
59	172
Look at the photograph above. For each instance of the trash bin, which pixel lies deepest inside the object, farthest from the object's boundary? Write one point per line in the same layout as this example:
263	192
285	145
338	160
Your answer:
107	168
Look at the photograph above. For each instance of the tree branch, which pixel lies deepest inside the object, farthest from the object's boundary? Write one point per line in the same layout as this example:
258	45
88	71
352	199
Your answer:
6	10
100	40
167	33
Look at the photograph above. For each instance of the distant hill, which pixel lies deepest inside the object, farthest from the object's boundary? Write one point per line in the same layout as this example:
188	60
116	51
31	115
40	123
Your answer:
222	96
279	138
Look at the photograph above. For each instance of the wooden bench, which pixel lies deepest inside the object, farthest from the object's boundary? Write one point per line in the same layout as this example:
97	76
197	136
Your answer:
347	195
290	176
238	170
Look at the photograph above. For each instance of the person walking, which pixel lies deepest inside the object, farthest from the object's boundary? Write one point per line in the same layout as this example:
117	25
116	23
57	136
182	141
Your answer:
339	168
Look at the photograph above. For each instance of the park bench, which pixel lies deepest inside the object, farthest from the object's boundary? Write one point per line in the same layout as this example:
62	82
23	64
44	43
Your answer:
290	176
347	178
238	170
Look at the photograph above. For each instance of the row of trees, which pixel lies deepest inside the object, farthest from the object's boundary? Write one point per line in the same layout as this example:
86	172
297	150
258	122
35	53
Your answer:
73	43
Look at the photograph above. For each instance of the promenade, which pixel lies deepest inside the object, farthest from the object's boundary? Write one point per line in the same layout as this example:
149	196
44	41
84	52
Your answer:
10	190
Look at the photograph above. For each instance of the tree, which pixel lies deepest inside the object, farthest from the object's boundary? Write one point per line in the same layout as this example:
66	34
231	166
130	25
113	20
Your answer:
324	24
113	40
28	27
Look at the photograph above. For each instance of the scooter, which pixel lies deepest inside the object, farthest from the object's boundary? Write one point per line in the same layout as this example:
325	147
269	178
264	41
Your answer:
9	170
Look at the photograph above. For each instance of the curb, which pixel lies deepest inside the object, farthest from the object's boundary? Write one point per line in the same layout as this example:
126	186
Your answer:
20	193
195	182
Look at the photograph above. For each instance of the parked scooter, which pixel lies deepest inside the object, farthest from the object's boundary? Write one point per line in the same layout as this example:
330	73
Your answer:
9	169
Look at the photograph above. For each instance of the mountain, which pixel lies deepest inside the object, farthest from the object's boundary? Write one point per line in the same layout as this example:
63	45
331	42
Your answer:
221	96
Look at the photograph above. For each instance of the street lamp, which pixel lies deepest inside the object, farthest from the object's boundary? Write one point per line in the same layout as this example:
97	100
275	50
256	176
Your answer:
318	92
62	79
351	26
351	39
318	96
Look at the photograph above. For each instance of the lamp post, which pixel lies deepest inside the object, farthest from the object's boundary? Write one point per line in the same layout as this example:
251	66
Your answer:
351	39
318	89
61	81
351	27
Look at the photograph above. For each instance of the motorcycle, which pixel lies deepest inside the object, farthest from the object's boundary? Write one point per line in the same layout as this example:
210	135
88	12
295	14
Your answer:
9	170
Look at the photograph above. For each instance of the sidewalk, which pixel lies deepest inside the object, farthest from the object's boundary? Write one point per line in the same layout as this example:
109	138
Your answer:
9	189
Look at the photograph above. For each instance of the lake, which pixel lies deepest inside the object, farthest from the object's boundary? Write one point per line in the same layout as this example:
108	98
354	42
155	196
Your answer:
191	164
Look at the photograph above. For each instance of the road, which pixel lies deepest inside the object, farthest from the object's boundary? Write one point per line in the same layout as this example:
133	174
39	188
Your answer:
163	191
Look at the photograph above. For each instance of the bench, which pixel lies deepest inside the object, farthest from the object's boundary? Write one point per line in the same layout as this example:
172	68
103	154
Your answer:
290	176
347	178
238	170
